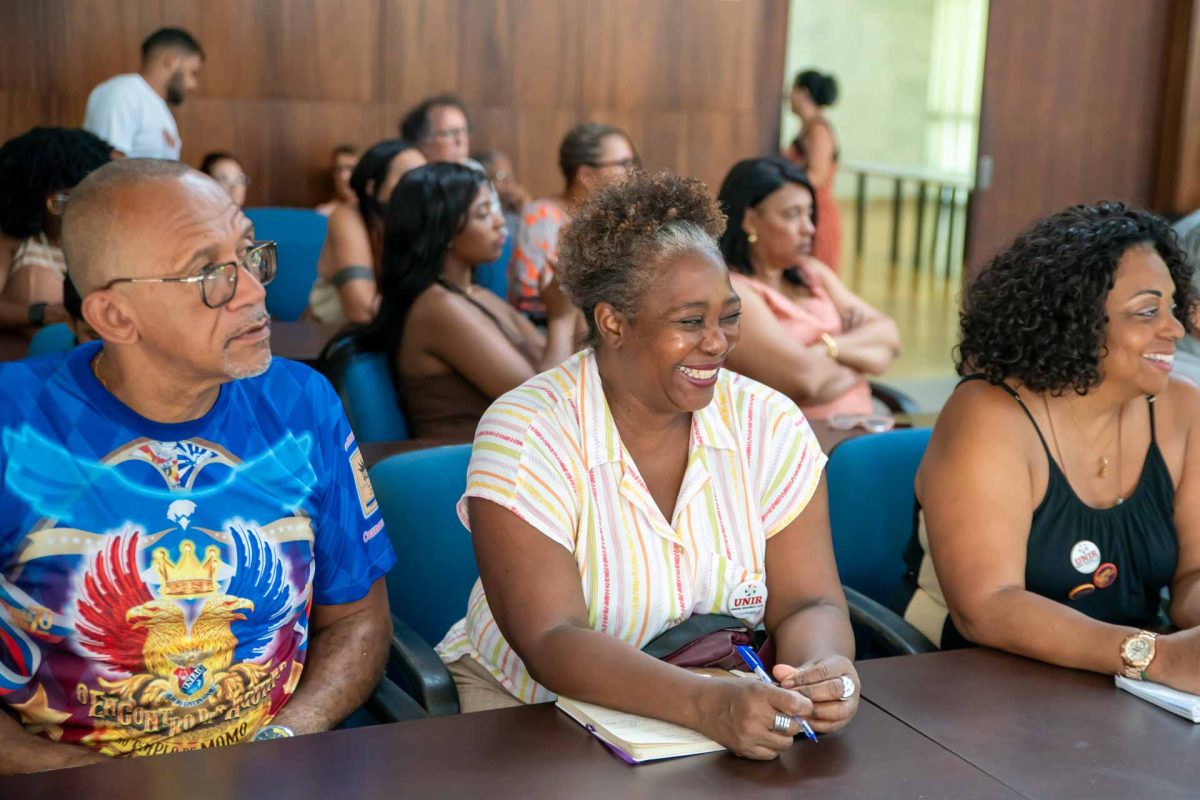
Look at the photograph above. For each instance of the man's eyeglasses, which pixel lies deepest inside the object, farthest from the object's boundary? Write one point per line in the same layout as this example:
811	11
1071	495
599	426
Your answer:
218	282
240	180
451	133
624	163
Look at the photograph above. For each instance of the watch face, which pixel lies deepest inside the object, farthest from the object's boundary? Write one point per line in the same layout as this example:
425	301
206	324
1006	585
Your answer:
1137	650
273	732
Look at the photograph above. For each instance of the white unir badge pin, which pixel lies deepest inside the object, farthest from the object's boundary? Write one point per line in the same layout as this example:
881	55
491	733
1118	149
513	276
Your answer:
1085	557
748	601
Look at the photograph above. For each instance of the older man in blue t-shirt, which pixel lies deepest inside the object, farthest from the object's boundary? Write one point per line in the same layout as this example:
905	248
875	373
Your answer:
191	554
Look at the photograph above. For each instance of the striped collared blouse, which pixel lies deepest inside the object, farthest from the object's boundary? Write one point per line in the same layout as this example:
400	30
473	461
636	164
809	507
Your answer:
550	452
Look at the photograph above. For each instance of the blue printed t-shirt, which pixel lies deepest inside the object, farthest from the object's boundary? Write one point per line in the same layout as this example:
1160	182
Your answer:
156	579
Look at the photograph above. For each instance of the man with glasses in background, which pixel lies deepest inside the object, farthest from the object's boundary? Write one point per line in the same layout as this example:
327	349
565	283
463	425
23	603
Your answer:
191	554
438	126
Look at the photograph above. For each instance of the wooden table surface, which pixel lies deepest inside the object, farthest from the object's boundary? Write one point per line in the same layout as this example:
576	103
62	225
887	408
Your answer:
1044	731
527	752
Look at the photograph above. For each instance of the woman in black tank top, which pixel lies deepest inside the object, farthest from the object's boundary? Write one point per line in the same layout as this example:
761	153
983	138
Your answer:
1060	494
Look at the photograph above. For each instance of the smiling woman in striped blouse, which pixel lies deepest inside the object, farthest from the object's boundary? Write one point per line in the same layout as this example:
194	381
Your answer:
640	483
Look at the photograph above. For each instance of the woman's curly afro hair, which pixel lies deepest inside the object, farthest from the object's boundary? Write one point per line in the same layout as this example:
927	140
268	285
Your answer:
609	251
1036	311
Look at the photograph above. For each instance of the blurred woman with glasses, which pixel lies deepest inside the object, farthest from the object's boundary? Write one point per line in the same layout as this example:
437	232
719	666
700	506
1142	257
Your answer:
591	156
38	169
454	346
226	170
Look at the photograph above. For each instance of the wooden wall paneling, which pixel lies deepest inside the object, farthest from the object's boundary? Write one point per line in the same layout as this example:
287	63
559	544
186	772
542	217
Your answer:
1177	189
770	45
1071	110
522	52
695	82
715	141
421	52
89	41
631	55
24	66
534	150
283	144
22	110
717	51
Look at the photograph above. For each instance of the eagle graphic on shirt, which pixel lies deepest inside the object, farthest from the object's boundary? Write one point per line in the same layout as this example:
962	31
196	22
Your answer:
186	629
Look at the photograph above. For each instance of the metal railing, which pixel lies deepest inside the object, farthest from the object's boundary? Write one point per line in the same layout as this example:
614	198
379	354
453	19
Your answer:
952	194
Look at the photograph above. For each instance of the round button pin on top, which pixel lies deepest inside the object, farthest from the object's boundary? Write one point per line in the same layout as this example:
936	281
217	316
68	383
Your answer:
1085	557
748	601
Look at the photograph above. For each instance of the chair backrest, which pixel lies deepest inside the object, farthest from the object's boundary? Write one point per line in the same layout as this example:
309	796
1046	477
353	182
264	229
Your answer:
54	338
300	234
871	507
417	494
364	383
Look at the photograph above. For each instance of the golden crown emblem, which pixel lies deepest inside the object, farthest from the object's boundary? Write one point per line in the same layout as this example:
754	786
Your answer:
188	576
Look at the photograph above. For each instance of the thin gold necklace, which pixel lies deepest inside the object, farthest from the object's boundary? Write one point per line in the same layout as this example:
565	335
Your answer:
1102	472
96	370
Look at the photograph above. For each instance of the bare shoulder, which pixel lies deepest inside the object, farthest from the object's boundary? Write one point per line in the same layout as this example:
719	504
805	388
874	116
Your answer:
1177	408
981	427
980	415
346	217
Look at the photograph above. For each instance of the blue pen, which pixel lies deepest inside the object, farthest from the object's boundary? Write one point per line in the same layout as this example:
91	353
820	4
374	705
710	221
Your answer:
756	666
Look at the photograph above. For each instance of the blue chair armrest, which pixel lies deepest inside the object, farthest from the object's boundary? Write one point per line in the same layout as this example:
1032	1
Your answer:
414	666
885	626
896	401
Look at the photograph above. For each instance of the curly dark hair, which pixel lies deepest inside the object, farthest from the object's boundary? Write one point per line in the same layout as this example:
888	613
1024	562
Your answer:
41	162
609	251
1035	313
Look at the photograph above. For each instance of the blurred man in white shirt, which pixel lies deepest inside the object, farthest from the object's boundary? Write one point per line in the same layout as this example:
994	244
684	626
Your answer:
133	111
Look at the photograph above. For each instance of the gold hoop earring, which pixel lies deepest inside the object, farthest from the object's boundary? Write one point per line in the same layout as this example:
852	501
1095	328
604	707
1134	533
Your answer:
751	237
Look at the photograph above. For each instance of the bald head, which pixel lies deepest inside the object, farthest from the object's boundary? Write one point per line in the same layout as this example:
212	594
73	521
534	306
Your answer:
106	213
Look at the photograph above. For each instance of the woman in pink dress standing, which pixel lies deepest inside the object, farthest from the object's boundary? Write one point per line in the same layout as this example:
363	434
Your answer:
803	332
816	151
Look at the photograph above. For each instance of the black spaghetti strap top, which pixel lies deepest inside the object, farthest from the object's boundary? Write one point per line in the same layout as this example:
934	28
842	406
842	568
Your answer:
1108	563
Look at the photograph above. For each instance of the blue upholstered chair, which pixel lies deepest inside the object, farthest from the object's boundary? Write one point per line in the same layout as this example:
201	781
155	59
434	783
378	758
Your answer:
871	513
364	383
51	339
417	493
300	235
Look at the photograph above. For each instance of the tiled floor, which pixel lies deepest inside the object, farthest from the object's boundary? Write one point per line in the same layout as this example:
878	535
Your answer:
925	307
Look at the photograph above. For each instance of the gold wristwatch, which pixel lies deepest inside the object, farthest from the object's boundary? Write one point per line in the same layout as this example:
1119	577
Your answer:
1137	651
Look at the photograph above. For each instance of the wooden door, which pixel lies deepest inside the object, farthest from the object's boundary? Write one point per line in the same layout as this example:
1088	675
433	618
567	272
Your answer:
1071	113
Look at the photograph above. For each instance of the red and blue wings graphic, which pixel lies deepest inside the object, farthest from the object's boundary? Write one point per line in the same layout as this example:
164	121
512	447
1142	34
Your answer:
111	587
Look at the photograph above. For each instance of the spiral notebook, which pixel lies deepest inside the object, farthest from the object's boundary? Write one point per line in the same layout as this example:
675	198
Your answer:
635	739
1184	704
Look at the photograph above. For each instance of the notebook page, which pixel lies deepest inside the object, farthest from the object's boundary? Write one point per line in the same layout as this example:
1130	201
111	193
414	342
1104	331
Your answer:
1182	703
641	731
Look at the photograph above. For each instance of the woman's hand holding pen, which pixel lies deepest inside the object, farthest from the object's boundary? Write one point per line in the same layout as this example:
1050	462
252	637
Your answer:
741	714
824	682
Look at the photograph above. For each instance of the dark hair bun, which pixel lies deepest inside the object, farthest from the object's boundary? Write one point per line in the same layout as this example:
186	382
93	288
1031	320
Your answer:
821	87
